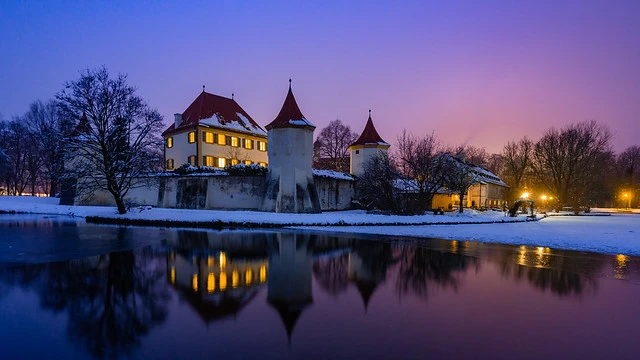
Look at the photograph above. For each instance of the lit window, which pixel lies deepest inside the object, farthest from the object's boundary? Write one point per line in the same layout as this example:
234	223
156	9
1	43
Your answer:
247	162
192	160
234	141
223	281
234	162
169	142
208	160
222	140
169	164
194	282
262	146
235	278
211	283
192	137
263	164
223	260
248	277
248	144
222	162
173	275
208	137
263	273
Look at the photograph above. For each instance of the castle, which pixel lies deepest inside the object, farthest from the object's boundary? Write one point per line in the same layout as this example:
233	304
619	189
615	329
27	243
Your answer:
215	132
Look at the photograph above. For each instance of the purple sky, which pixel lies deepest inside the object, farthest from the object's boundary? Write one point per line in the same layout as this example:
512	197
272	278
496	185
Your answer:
476	72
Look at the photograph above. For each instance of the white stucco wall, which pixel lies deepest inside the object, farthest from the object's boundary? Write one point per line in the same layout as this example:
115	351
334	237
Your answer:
181	149
290	161
358	160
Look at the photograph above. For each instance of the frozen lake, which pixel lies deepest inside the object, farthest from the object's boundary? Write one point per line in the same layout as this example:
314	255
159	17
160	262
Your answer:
74	290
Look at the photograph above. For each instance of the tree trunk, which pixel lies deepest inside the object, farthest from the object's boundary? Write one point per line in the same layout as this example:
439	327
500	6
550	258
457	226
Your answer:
120	204
461	207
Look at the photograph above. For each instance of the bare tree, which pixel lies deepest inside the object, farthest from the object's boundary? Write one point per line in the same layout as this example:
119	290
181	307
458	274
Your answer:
459	175
375	188
49	130
333	145
119	142
567	160
14	139
517	158
474	155
418	159
628	173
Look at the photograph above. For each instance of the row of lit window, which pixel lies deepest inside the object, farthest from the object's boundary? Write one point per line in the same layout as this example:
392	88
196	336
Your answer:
213	161
222	282
222	139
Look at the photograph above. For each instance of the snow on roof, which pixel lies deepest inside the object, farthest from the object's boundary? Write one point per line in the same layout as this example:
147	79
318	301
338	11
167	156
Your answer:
217	111
333	174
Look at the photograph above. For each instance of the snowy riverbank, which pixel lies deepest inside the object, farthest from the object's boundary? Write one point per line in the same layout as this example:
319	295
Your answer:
169	217
615	234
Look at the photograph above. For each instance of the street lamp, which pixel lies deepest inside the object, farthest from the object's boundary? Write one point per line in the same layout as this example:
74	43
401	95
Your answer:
525	195
626	196
544	201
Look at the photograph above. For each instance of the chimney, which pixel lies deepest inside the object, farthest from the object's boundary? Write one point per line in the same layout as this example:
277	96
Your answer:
177	119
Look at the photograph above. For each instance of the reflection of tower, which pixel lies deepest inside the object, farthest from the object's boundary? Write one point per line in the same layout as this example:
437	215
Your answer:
289	277
366	274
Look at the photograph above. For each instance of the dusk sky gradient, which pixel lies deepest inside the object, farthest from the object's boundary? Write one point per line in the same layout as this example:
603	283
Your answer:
474	72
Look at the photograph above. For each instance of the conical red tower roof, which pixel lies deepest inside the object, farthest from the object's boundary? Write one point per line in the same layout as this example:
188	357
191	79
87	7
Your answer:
290	115
369	135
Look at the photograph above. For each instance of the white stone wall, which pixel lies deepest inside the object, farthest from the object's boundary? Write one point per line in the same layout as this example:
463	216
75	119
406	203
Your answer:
219	192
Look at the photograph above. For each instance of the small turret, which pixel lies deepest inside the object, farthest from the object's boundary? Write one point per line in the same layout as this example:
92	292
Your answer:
368	145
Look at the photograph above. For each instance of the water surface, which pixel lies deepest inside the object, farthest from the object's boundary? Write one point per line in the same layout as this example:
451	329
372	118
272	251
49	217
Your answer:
74	290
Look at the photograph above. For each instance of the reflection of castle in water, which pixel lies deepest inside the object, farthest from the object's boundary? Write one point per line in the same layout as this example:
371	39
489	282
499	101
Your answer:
221	273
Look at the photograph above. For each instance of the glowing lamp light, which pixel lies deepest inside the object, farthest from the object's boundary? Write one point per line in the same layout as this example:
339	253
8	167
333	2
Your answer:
525	195
543	197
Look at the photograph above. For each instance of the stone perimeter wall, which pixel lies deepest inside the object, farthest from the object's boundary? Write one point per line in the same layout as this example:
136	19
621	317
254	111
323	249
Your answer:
219	192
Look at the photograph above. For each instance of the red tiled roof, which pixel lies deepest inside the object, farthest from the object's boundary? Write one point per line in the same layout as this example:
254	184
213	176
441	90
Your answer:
369	135
206	105
290	111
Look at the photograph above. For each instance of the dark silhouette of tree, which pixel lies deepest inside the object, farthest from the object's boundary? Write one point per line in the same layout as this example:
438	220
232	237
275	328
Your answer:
517	161
566	160
332	274
418	158
120	140
459	175
333	146
112	300
418	267
375	188
552	270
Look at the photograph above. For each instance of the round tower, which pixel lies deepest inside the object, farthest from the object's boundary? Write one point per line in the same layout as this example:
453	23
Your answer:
290	186
368	145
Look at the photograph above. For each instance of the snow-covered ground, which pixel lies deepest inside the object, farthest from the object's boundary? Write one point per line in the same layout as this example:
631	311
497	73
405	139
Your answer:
353	217
615	234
